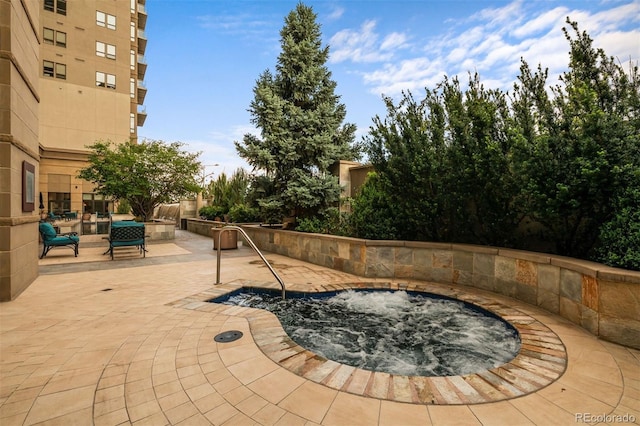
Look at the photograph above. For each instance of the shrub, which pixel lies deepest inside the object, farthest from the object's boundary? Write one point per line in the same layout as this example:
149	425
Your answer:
242	213
211	212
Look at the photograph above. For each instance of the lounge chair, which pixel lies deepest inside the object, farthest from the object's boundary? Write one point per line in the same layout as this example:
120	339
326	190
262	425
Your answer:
51	239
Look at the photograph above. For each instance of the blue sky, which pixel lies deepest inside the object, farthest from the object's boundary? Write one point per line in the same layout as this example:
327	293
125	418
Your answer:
204	56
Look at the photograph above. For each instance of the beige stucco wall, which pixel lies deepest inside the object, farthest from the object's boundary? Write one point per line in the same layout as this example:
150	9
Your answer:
601	299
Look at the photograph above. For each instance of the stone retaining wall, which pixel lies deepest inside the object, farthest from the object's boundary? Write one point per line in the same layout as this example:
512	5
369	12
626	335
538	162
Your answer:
601	299
160	230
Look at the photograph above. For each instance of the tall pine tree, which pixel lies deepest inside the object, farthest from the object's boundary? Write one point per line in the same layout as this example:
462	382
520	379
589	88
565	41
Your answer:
301	122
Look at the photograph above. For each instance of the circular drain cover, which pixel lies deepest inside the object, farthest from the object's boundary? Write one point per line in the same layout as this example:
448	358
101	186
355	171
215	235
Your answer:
228	336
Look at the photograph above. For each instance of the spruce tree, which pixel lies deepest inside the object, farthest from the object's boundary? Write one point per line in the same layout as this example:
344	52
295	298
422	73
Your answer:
301	123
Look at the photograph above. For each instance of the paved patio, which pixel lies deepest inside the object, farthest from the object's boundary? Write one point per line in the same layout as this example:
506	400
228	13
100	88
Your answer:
129	341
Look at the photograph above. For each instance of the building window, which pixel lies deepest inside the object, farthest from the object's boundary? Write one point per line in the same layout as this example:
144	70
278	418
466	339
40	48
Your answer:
48	68
58	38
133	59
96	203
61	71
132	88
59	6
132	123
105	50
61	39
49	35
133	6
133	31
59	202
105	80
105	20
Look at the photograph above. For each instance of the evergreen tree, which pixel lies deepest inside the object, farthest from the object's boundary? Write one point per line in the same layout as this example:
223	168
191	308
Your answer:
301	122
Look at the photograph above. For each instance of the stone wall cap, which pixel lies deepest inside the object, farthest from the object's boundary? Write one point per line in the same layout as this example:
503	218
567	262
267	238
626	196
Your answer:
525	255
578	265
609	273
428	245
474	248
387	243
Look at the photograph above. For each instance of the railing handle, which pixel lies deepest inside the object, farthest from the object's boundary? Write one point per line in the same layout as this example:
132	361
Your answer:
253	246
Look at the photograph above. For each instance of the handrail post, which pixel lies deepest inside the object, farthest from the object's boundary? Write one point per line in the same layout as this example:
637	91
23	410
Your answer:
253	246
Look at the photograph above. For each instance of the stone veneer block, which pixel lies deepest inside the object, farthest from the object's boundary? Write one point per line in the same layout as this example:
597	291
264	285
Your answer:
623	332
548	300
570	310
442	275
403	271
505	268
571	285
484	282
589	319
619	300
357	252
423	258
442	259
462	277
484	264
526	272
549	279
590	292
507	288
379	262
403	256
527	293
463	261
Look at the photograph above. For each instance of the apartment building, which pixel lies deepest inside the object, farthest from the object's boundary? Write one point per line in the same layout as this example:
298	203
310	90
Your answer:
91	88
71	73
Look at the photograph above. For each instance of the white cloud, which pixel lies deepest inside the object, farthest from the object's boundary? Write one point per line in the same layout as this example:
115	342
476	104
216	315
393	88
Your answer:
545	21
494	40
335	14
362	45
394	41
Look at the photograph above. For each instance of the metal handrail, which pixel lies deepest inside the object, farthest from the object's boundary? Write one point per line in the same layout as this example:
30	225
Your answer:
253	246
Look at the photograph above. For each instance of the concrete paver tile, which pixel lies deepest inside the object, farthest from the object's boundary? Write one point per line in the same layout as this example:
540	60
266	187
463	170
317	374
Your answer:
500	413
310	400
452	415
139	412
181	412
61	403
221	413
276	385
397	413
353	410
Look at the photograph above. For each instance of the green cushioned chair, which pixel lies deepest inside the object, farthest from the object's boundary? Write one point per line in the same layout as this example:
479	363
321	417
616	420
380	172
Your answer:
51	239
126	234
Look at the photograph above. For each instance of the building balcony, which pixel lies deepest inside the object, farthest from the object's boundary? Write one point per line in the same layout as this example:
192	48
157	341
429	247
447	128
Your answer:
142	42
142	67
142	16
141	116
142	92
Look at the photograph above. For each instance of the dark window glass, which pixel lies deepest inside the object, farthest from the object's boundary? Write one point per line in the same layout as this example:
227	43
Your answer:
62	7
48	68
48	5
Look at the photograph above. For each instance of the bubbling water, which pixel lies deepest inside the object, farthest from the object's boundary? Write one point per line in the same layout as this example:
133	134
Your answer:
412	334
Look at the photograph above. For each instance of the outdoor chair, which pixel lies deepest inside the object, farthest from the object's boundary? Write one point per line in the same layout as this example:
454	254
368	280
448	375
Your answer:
51	239
127	233
53	217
